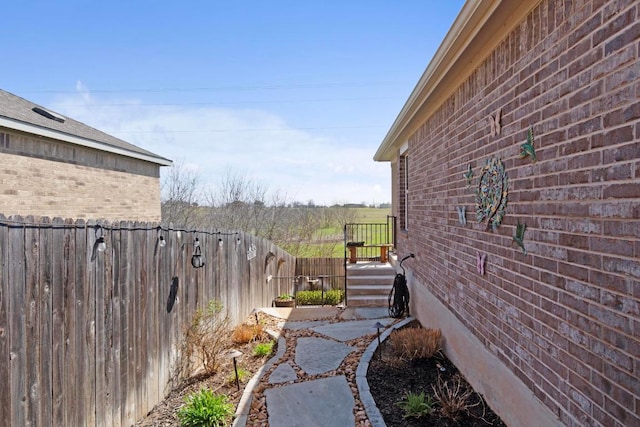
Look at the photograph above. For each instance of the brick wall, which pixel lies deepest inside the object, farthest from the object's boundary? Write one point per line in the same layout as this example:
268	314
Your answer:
50	178
565	318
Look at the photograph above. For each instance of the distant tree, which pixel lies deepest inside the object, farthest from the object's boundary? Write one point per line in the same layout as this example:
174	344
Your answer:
180	194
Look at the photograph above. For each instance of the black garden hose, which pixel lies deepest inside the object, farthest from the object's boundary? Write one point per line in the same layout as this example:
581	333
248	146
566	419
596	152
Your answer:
399	295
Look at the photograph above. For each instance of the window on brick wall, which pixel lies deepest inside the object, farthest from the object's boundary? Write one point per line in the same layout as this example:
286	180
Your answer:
403	203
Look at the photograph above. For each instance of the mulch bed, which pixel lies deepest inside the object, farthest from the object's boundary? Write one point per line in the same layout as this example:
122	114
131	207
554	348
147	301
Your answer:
391	379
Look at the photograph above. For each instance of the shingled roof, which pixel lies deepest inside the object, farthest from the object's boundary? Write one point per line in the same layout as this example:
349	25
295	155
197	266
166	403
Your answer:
19	114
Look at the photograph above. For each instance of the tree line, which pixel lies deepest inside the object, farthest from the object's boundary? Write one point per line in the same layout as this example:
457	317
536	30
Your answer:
239	203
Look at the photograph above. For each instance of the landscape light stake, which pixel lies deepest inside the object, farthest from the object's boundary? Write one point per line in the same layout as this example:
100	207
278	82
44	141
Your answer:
379	325
233	354
255	313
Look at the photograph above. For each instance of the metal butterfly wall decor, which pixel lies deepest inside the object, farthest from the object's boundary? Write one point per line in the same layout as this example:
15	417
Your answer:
468	175
462	215
519	236
494	121
480	260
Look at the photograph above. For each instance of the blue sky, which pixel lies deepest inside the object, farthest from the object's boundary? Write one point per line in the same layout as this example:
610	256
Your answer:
294	95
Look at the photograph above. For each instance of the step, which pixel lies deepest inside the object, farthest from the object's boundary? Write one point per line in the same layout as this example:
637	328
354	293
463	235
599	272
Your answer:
368	301
370	280
370	270
368	289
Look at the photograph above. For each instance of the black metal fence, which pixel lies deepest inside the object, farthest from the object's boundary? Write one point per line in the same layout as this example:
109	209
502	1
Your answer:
368	237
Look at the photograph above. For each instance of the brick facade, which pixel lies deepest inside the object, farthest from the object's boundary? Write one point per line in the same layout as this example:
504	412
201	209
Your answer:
562	322
45	177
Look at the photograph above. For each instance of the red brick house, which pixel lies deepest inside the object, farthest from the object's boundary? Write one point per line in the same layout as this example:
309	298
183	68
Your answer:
55	166
516	183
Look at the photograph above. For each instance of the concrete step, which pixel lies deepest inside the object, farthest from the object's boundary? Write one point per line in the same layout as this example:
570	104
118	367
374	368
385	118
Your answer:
368	289
368	269
368	301
369	280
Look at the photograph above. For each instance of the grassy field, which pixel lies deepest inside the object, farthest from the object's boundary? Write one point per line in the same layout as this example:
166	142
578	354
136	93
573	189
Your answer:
330	241
373	215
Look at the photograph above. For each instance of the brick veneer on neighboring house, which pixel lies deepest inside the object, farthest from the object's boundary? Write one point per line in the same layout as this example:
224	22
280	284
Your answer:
63	168
563	321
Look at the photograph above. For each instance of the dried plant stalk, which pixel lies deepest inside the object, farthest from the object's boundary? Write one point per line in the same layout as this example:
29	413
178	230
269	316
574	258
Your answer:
244	333
416	343
453	400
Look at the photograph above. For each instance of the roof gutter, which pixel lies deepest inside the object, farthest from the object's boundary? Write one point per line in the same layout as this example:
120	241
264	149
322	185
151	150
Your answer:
61	136
478	28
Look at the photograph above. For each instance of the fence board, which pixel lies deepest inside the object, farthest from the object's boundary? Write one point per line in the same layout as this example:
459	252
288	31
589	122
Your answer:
88	314
45	265
58	261
70	388
32	323
102	292
5	379
17	327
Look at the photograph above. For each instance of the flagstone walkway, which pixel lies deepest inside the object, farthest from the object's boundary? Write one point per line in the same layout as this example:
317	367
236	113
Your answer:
318	375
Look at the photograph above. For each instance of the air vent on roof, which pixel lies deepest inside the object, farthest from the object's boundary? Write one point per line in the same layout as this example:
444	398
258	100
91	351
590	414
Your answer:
48	114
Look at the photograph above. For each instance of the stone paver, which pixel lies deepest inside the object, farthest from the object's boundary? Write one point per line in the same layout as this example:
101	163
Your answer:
345	331
318	355
326	402
283	374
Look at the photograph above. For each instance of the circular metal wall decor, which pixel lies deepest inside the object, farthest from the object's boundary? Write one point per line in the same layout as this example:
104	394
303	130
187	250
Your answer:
491	195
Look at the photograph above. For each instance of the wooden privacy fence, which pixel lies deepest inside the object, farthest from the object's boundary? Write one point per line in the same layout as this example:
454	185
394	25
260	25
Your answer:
89	336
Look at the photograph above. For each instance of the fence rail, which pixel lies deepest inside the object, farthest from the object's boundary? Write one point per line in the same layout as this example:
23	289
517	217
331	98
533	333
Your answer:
88	336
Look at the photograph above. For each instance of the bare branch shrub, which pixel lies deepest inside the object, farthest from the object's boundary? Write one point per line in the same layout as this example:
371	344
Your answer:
453	400
205	339
415	343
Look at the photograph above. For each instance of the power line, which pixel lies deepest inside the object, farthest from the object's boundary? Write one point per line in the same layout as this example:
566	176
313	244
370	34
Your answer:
240	130
220	103
224	88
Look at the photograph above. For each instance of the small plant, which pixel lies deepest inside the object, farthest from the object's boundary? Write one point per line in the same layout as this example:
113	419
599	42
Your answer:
416	405
285	297
416	343
244	333
453	400
331	297
263	349
243	374
205	409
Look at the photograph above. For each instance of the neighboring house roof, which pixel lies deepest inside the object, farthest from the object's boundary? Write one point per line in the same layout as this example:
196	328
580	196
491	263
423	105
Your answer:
479	27
19	114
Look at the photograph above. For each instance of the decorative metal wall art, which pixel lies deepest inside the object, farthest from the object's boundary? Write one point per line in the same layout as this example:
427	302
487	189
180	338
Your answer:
468	175
527	149
491	194
519	236
480	261
494	121
462	215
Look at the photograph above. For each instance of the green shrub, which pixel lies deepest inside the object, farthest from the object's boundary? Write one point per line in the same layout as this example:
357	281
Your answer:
263	349
416	405
205	409
331	297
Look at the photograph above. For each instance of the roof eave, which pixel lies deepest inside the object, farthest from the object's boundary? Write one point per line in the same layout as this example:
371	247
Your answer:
73	139
479	26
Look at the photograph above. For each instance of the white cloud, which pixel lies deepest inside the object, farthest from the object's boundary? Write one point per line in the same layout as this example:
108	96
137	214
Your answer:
255	143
